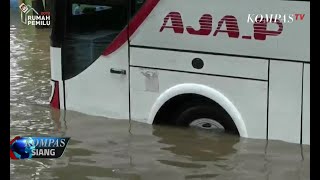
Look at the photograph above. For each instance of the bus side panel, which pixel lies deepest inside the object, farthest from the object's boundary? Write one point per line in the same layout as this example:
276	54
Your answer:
212	64
97	91
56	76
55	63
176	25
285	91
248	96
306	105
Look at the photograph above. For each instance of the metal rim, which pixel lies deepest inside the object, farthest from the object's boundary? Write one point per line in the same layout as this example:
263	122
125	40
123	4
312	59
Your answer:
206	123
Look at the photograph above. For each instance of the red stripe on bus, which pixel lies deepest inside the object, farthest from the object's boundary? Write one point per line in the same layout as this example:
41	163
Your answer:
134	24
55	101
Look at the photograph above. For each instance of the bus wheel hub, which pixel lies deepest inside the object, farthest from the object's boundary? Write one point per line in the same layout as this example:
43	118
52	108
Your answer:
206	123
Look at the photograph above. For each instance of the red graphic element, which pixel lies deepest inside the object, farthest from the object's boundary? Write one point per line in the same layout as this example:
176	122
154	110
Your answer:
45	13
136	21
176	21
260	29
23	8
205	26
231	24
246	37
301	16
12	156
55	101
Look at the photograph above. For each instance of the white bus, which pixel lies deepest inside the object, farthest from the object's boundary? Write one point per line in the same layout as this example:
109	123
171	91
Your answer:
239	67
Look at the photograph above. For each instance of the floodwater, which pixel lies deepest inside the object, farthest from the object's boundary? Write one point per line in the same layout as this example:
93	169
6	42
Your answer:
102	148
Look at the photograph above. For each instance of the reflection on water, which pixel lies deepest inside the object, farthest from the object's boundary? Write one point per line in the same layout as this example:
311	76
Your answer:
102	148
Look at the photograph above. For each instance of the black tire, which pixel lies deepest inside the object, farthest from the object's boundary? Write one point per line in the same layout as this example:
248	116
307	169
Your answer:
188	115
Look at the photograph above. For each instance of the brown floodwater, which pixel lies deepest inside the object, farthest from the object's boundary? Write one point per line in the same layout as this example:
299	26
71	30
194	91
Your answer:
102	148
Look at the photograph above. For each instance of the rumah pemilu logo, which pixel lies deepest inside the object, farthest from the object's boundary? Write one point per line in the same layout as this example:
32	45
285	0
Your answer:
32	17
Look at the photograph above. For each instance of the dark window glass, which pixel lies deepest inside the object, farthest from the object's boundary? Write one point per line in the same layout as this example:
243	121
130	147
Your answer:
90	27
58	14
135	6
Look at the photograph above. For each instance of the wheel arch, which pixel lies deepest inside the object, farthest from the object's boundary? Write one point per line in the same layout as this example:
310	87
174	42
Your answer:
199	89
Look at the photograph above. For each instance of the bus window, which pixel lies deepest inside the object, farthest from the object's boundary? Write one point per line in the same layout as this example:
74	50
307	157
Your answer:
135	6
78	9
90	27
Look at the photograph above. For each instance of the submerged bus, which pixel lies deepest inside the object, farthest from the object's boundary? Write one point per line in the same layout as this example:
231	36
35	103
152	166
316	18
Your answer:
241	68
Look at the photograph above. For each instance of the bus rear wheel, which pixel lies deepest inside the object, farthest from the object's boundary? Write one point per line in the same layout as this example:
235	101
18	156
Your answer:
205	117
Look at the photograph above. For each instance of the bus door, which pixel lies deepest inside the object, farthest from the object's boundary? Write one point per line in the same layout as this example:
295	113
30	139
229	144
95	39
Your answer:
94	57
